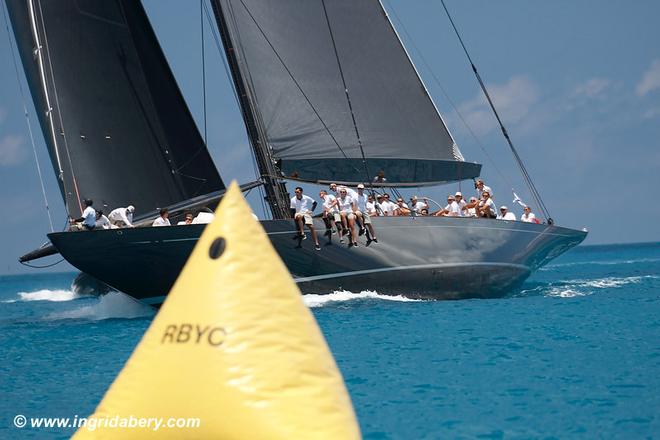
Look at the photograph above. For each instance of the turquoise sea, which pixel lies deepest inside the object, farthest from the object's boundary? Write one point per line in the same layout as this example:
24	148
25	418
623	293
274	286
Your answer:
575	353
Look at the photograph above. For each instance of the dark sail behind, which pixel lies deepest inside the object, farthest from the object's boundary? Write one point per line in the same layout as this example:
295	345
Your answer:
116	125
308	63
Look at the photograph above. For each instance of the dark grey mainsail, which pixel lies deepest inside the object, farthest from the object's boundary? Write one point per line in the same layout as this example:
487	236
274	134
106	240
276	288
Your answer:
337	94
117	127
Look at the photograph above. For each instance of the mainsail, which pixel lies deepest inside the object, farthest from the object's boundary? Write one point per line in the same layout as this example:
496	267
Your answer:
336	93
116	125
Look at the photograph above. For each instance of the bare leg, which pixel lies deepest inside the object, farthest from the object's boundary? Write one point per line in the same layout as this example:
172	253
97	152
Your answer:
314	237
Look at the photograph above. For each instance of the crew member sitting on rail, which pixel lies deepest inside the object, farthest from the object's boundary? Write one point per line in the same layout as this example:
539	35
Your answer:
303	206
458	197
188	219
386	206
450	210
486	207
88	219
330	213
122	217
102	221
470	209
372	206
162	219
401	207
505	214
528	216
347	208
417	206
362	215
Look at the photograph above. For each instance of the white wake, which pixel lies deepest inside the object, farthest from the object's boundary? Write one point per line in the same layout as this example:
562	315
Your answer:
313	300
109	306
46	295
585	287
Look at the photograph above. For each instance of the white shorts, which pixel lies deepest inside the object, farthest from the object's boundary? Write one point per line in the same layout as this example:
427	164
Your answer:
307	218
365	217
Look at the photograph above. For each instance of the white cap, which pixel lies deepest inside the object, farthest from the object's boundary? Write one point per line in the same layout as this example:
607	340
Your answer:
503	207
458	193
360	186
130	208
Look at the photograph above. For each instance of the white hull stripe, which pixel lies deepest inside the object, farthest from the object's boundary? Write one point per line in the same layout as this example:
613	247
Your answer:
412	267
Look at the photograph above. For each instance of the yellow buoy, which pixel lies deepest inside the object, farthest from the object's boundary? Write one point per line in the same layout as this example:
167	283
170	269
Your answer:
233	353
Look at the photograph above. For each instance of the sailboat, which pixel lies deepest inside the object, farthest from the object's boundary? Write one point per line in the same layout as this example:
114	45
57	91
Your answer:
328	93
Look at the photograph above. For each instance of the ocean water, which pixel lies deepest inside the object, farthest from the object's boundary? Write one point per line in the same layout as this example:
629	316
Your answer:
574	353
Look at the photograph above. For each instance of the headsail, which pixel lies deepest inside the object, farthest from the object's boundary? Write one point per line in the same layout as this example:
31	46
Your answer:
117	127
337	93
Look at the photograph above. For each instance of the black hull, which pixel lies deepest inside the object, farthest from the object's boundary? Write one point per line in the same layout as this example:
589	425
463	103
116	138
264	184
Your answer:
419	257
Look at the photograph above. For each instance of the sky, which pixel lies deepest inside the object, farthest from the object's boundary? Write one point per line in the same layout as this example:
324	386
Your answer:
577	84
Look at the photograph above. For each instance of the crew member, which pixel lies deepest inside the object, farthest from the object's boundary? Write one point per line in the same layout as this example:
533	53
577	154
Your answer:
88	219
122	217
102	221
347	208
163	219
188	219
481	187
528	216
330	213
505	214
362	214
303	206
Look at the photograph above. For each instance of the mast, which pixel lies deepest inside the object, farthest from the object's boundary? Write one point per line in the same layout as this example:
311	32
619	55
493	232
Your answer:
276	194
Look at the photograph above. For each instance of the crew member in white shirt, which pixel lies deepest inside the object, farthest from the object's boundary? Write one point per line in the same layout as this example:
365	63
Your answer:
528	216
303	206
388	207
102	221
330	213
188	219
401	208
88	219
163	218
347	208
471	208
371	206
458	197
362	215
416	206
450	210
505	214
481	187
122	217
486	207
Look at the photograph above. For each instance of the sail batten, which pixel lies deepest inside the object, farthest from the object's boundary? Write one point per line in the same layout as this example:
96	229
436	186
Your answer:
333	81
116	125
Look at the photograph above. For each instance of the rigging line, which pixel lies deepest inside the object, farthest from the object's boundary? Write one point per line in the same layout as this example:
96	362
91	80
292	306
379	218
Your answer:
25	263
274	190
527	177
446	95
348	96
327	129
218	46
201	25
59	112
27	118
